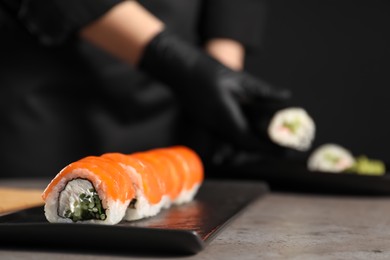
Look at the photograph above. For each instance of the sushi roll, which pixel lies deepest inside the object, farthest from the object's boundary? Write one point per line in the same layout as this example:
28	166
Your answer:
293	128
330	158
91	190
113	187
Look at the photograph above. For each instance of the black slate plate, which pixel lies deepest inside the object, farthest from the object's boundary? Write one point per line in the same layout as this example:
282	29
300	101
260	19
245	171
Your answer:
185	229
293	175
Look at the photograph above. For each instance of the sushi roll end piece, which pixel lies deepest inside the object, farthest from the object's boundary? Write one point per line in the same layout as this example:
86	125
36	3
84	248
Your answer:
293	128
78	195
330	158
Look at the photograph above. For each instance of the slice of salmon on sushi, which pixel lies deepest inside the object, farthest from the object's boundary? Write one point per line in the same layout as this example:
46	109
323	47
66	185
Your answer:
160	172
167	171
150	196
91	190
178	176
191	169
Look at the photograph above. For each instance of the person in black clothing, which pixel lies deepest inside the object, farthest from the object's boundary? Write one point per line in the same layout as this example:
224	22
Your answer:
86	77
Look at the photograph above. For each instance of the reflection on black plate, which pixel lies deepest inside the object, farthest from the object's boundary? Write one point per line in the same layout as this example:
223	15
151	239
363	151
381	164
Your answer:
294	175
183	229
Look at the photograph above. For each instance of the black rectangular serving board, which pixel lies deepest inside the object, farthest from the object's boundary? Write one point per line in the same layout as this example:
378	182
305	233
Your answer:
184	229
293	175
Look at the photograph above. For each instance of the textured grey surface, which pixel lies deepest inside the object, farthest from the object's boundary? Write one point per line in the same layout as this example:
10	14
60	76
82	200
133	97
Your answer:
284	226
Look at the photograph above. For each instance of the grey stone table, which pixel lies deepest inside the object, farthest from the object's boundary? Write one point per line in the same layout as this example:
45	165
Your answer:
281	225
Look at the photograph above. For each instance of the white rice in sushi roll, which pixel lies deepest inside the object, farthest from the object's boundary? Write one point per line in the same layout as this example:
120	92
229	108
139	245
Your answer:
330	158
292	127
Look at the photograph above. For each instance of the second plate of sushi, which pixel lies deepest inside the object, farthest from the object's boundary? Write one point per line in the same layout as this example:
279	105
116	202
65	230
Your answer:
330	168
287	160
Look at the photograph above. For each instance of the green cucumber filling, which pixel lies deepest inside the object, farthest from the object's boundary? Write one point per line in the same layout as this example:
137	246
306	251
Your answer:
332	158
292	125
87	207
79	201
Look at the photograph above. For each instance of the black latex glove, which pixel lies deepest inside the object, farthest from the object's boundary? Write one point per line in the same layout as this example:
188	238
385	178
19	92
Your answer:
211	93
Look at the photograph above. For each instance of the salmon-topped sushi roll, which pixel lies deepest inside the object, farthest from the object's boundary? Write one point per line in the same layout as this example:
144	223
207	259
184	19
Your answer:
113	187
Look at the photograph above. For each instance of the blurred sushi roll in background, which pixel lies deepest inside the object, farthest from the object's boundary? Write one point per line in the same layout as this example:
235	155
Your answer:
330	158
113	187
292	127
337	159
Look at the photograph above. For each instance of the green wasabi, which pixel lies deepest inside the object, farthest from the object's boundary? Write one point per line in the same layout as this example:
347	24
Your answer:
365	166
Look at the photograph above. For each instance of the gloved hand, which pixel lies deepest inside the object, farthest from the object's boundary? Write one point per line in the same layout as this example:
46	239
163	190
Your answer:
211	93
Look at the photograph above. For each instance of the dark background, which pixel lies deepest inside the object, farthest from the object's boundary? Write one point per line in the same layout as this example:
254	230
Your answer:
334	55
